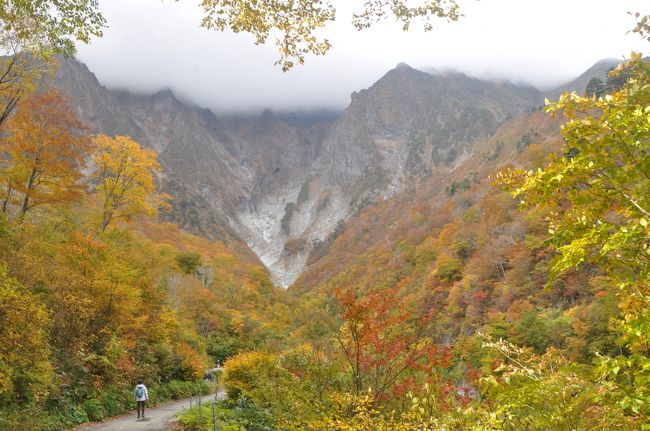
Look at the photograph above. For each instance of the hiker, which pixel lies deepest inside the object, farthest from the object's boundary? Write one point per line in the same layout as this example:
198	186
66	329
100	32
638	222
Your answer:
141	396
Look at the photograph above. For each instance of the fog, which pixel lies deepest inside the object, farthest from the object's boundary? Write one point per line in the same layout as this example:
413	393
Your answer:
154	44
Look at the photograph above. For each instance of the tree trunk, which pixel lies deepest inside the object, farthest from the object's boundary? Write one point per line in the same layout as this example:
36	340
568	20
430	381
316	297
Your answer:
11	100
30	185
106	220
5	202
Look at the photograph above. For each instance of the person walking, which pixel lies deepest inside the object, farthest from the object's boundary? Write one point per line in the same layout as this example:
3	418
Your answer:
141	397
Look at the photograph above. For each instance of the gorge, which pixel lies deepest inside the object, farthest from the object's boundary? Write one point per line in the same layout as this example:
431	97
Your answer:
285	183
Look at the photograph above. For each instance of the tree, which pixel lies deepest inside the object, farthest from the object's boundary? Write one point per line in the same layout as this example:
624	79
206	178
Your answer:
32	31
52	26
598	205
384	344
595	88
188	262
125	179
25	369
9	177
45	150
547	392
20	72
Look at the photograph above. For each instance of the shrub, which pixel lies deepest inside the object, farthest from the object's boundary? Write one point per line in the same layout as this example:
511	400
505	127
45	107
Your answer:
245	371
95	410
188	261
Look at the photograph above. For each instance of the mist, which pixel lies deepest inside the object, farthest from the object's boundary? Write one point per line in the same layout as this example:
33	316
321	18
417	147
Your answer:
151	45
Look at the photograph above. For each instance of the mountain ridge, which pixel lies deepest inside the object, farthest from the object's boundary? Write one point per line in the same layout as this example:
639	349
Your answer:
283	183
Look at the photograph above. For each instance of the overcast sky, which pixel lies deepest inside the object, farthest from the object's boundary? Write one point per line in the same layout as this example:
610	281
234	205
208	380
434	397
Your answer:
154	44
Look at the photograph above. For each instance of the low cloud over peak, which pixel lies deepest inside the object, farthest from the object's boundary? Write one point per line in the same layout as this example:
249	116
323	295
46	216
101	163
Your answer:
497	40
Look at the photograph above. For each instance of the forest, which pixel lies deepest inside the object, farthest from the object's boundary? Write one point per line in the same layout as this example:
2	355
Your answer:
510	295
95	292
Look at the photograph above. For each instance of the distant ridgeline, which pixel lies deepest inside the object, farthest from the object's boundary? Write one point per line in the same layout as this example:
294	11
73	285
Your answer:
282	183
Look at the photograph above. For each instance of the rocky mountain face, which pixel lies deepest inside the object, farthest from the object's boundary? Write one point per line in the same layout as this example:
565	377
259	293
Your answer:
286	183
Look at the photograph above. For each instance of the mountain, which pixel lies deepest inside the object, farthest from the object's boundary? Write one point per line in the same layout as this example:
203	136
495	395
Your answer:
186	139
284	184
395	241
579	84
409	122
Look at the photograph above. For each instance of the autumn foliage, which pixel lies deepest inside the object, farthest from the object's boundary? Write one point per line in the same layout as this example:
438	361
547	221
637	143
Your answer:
460	303
385	345
124	174
43	154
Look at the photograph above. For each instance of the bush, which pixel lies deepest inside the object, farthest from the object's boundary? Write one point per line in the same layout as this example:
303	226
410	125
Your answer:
176	390
117	401
294	246
246	371
188	261
95	410
14	419
242	415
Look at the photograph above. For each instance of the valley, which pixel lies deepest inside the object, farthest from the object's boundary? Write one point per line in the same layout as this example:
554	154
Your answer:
281	183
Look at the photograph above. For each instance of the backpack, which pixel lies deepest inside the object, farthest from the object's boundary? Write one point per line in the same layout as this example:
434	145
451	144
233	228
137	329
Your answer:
139	392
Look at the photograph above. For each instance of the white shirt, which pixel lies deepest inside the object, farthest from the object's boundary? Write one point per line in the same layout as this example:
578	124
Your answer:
145	395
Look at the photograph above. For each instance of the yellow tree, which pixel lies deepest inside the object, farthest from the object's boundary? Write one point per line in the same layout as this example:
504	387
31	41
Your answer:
125	179
20	73
596	195
44	153
25	368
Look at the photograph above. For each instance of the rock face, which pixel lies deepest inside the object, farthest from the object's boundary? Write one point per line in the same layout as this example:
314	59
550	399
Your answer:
284	183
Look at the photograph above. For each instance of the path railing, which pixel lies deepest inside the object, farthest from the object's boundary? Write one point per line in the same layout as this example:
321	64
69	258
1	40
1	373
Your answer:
197	400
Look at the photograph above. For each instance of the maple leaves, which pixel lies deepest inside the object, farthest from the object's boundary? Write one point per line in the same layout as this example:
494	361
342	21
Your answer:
385	344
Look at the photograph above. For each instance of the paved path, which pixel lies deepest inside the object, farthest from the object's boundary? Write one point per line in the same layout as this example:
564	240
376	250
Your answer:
156	419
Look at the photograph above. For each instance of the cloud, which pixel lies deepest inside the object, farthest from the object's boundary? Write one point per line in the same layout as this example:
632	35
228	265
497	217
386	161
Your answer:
152	45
